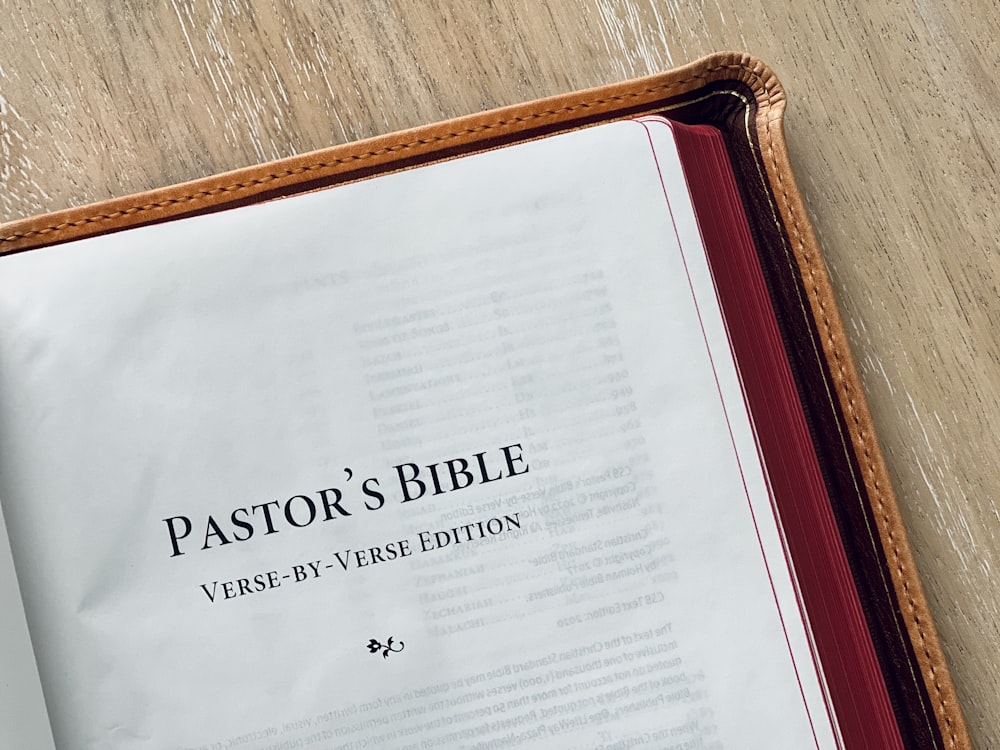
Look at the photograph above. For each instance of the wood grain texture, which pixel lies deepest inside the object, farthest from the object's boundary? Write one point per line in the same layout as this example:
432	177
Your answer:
892	124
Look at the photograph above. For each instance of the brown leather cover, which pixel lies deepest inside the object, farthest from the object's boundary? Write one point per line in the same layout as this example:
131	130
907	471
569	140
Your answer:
741	96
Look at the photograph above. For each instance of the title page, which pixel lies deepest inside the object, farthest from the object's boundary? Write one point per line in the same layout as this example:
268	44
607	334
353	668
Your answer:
456	457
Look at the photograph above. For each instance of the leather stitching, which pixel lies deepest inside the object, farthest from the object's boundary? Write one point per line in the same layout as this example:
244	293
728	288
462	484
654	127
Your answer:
486	127
844	386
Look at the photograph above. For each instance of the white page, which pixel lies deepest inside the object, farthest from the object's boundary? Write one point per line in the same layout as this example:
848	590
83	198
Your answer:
726	371
533	298
23	720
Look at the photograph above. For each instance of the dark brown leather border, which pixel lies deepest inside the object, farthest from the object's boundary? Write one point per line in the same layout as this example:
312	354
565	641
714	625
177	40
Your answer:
781	227
908	692
869	474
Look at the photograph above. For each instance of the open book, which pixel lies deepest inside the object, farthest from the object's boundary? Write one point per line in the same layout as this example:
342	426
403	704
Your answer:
504	450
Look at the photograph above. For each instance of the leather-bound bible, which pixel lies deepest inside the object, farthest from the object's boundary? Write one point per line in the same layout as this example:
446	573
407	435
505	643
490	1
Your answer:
536	428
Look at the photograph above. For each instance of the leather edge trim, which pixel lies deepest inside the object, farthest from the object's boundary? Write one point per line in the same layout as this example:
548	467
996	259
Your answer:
245	185
854	405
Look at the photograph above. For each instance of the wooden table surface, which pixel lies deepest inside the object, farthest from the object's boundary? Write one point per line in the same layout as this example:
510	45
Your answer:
892	124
